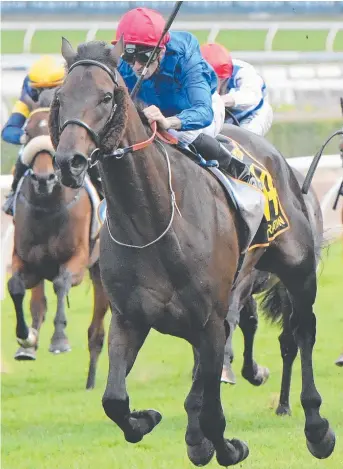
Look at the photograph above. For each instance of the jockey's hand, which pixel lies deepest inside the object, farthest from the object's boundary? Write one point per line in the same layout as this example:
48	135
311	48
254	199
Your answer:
229	101
153	114
23	138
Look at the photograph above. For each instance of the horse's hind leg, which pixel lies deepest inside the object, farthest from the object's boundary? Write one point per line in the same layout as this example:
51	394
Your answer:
96	331
228	375
289	351
125	341
212	420
248	322
295	265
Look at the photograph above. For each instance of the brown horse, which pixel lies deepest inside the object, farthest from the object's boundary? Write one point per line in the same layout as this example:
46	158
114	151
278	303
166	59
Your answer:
276	308
170	250
52	242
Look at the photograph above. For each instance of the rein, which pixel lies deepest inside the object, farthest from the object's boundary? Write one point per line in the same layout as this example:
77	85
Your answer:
119	153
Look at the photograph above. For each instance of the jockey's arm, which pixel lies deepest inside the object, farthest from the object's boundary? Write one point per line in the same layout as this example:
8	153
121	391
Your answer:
13	129
248	91
199	113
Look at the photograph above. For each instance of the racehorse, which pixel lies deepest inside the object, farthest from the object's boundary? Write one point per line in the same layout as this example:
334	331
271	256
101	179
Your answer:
170	250
276	308
52	242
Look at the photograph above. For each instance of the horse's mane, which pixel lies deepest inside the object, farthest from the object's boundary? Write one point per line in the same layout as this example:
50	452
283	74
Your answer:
100	51
46	97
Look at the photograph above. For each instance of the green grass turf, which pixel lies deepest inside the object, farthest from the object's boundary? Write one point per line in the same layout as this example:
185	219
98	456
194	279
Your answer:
50	41
50	422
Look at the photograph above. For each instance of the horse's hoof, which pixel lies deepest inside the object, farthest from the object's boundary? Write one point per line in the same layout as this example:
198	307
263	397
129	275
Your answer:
260	376
229	458
228	376
339	362
31	339
323	448
60	346
283	410
25	354
145	422
201	454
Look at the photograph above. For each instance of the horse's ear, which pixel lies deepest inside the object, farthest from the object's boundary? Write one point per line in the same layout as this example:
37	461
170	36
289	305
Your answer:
341	99
67	51
118	49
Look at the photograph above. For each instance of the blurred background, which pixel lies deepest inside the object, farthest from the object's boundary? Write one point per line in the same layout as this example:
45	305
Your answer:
296	46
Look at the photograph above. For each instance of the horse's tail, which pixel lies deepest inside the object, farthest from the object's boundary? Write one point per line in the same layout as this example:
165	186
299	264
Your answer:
275	304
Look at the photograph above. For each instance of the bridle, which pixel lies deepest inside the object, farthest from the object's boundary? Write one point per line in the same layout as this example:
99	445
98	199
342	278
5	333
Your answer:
120	152
97	136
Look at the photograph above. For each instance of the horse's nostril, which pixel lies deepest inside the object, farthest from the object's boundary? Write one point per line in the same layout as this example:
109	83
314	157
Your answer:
78	162
52	177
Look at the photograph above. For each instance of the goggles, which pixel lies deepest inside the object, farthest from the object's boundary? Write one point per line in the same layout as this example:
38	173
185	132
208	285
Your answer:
134	54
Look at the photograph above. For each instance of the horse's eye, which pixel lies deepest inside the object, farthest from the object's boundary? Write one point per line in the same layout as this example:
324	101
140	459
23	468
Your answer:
107	98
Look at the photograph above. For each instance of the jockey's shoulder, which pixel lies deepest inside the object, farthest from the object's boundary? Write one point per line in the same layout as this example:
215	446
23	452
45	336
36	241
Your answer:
241	64
182	43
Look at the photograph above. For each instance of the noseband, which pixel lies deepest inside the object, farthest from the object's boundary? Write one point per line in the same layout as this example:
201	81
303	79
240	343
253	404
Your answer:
96	137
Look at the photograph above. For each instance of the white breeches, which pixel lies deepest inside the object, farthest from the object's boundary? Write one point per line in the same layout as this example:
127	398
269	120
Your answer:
260	121
188	136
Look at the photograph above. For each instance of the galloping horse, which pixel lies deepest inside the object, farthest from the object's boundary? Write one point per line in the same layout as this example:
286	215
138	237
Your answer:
52	241
276	308
170	249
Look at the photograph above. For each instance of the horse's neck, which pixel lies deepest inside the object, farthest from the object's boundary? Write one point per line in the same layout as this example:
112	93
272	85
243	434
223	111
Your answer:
136	187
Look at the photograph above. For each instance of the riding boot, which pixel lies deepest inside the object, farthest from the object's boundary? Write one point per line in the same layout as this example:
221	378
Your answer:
19	171
210	149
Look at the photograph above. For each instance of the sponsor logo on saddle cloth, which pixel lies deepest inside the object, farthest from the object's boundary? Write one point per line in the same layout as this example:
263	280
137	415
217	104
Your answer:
277	221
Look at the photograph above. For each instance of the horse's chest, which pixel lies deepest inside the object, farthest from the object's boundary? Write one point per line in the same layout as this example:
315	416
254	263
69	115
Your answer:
55	248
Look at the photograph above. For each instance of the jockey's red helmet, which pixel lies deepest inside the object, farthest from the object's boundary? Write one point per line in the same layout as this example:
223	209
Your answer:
219	58
142	26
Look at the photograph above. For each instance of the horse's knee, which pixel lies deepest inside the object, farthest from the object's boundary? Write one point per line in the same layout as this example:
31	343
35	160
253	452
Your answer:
62	283
95	339
16	286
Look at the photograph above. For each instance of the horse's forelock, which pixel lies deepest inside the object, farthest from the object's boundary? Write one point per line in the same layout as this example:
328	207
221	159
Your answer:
95	50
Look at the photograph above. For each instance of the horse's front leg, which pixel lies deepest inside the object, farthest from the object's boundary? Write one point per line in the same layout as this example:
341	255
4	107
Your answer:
26	337
212	420
71	274
125	341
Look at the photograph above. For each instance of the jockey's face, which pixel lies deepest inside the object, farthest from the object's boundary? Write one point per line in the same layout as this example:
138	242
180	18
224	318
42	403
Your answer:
138	69
138	56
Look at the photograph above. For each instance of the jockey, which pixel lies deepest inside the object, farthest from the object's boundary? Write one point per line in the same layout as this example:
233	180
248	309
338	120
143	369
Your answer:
242	89
180	88
44	73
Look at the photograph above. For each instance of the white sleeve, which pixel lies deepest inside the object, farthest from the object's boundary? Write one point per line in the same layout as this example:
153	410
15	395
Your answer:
249	89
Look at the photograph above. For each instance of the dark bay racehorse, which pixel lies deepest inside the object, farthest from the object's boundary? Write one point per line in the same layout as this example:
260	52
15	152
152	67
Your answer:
170	250
276	308
51	242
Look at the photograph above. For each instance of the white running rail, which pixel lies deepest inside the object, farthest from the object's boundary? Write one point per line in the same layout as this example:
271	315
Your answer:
271	28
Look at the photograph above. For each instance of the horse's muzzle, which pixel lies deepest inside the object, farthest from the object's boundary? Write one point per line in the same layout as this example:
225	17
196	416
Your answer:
71	170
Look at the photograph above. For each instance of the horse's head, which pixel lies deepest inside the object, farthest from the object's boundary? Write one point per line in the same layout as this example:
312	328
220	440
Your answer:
38	151
89	111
